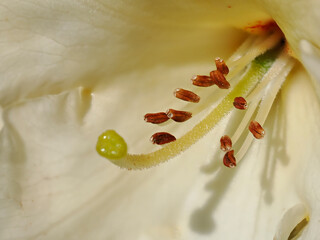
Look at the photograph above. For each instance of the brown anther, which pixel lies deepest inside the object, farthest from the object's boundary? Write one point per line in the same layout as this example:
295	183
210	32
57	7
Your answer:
186	95
161	138
240	103
202	81
219	79
221	66
178	116
229	160
156	118
225	143
256	129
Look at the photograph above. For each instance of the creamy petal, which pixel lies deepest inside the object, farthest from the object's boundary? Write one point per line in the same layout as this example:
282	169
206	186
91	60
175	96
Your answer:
53	184
292	217
48	47
311	60
303	109
297	19
57	187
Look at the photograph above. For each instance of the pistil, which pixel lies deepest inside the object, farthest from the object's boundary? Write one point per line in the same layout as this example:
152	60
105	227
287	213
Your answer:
255	70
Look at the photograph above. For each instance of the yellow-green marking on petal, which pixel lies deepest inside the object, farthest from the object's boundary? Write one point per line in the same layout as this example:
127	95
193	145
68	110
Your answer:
111	145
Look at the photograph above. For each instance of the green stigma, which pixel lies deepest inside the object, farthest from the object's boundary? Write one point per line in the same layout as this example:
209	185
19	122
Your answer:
111	145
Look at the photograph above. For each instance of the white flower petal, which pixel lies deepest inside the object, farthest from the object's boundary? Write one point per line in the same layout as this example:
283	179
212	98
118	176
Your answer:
48	47
290	220
311	59
53	183
57	187
303	109
297	19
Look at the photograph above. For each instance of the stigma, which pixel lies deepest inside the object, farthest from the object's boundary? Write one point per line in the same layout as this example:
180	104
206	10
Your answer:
250	80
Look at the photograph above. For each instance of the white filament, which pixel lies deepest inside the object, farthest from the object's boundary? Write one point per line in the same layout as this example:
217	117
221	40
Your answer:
247	53
238	61
281	70
255	96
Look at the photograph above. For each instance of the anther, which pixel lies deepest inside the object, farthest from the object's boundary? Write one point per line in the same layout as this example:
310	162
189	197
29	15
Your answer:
202	81
240	103
178	116
221	66
186	95
161	138
229	160
219	79
156	118
256	129
225	143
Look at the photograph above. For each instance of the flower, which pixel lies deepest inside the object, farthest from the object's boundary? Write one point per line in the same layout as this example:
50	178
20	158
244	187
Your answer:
71	69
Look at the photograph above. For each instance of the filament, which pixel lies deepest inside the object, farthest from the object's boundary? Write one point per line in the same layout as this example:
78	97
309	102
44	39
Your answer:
258	66
266	103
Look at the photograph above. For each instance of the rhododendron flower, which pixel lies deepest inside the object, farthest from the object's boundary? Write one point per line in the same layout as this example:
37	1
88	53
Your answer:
72	69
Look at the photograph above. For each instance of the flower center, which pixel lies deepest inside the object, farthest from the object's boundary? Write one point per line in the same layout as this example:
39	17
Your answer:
251	79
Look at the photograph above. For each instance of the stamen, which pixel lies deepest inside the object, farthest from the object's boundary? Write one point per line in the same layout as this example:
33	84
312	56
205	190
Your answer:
161	138
225	143
244	122
249	43
277	68
229	160
277	75
156	118
250	50
221	66
240	103
256	95
202	81
178	116
256	130
256	70
186	95
219	79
